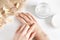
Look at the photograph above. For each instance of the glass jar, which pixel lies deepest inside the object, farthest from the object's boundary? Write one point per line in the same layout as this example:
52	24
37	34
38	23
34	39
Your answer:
43	10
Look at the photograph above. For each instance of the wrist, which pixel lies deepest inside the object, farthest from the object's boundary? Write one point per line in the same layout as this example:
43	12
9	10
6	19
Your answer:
40	35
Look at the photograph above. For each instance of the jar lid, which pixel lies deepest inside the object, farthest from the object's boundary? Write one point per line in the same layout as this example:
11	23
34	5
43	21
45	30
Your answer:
56	20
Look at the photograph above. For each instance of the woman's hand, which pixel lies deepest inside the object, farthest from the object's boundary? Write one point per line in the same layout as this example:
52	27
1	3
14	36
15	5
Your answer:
28	18
25	32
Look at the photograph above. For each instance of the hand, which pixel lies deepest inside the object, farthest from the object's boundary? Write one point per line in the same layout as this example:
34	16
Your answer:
28	18
25	32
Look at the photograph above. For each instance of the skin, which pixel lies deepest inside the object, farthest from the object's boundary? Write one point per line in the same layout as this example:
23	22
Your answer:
24	32
27	18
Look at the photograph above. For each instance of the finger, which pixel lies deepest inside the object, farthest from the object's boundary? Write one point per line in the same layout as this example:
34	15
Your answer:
19	32
30	16
25	14
25	30
19	28
30	31
22	27
25	17
32	36
20	18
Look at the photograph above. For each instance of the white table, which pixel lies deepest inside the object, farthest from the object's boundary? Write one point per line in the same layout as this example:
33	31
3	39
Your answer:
8	31
53	33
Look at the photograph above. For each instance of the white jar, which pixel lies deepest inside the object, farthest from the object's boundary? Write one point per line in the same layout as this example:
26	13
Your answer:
56	21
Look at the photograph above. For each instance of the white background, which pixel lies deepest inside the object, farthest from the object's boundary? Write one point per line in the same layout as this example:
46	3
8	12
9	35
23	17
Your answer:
8	31
54	4
53	33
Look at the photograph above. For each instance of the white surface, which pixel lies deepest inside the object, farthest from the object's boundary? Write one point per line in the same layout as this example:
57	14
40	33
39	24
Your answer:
8	31
53	33
54	4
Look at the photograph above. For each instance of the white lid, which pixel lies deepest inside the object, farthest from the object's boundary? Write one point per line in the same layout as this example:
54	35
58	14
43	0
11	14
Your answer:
56	20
